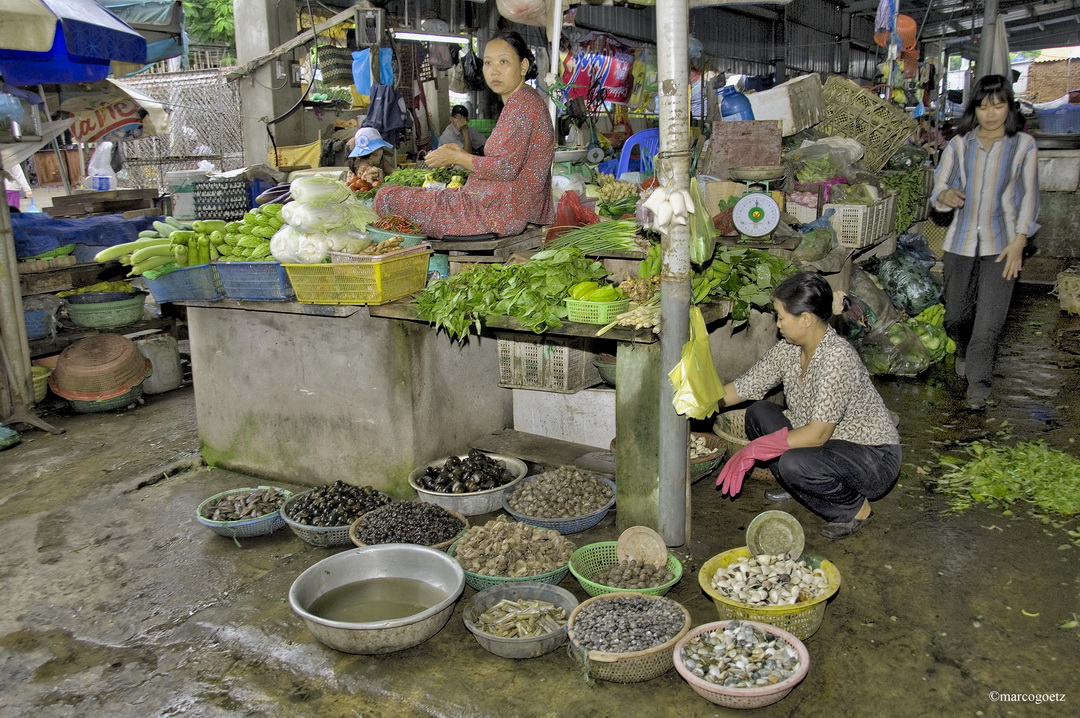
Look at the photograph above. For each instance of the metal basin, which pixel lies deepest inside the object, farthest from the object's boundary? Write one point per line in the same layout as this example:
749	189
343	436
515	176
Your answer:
382	561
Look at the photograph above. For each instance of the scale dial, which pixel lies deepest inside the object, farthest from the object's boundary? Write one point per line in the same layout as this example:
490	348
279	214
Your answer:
756	214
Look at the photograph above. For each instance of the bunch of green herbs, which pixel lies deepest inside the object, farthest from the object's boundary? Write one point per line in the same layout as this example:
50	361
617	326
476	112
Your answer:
910	199
413	177
999	476
534	293
746	277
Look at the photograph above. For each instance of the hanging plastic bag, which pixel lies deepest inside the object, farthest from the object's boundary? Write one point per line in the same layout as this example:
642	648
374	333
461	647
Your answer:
696	385
702	230
474	71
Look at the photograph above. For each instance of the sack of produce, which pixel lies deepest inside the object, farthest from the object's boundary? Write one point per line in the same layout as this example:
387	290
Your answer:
858	193
919	248
906	158
894	350
881	312
819	238
817	162
934	338
908	282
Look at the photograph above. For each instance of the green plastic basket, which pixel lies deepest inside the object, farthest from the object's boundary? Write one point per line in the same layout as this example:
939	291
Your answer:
480	581
61	251
595	312
593	558
117	402
107	315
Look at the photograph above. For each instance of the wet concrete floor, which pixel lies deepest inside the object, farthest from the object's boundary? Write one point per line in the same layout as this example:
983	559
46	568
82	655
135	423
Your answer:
118	603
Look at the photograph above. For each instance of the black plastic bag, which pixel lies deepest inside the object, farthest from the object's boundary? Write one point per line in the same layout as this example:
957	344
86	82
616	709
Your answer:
474	71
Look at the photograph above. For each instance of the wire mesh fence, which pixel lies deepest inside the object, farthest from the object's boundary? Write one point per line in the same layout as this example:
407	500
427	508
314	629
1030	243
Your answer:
204	113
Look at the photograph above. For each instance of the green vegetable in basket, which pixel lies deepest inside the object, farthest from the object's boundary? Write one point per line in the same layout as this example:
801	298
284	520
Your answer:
148	264
161	271
117	286
207	226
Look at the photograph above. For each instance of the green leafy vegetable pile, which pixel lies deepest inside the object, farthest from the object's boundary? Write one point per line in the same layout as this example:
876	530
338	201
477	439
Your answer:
742	275
999	476
910	198
533	292
412	177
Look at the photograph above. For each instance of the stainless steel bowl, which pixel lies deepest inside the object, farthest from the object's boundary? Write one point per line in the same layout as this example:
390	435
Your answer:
381	561
476	502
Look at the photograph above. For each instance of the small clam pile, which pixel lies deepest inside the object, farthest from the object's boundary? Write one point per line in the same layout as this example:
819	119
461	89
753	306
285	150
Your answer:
768	580
408	522
338	504
633	574
243	506
510	549
699	447
740	656
523	618
627	623
560	493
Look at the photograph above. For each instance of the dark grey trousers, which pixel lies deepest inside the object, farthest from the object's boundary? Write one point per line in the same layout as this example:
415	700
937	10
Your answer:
833	479
977	301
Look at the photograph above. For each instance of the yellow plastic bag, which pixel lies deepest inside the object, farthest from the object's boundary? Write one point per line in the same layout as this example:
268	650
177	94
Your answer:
694	379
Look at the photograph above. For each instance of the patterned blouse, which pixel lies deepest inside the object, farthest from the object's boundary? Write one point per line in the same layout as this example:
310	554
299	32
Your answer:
835	389
509	187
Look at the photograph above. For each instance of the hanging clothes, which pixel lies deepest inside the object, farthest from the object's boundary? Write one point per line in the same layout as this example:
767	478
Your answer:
387	113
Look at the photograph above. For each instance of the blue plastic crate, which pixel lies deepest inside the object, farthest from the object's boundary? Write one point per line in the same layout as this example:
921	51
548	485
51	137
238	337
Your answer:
255	281
199	281
38	324
1060	120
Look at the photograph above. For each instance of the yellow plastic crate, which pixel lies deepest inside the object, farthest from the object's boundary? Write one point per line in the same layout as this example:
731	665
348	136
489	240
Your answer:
360	283
851	111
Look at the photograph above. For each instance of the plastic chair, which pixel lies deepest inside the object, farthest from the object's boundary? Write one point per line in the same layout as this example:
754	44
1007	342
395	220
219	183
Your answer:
648	144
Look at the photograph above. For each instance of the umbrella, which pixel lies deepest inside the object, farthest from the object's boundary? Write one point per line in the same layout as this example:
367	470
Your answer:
51	41
161	22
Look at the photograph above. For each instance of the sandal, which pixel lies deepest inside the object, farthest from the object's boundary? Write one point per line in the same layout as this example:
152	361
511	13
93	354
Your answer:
843	529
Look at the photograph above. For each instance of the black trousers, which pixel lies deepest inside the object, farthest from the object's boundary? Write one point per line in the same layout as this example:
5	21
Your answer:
977	301
832	480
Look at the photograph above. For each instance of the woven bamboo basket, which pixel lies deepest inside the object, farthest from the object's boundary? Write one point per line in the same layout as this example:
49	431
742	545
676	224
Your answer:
1067	289
730	426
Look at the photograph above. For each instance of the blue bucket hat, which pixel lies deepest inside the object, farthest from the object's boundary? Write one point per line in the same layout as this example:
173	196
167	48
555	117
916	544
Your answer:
367	141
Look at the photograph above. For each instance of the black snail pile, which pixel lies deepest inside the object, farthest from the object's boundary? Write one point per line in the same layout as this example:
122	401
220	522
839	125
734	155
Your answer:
242	506
510	549
633	574
338	504
627	623
560	493
408	522
476	472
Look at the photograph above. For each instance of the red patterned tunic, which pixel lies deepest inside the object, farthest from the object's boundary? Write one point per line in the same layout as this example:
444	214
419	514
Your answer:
509	187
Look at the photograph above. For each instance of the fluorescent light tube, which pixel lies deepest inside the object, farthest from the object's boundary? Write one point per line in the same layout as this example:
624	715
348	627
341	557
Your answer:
429	37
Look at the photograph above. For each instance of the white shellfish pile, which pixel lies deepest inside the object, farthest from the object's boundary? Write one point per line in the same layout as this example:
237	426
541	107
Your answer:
768	580
740	656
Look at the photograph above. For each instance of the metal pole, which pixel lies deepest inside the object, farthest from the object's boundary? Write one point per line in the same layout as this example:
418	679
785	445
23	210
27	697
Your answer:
556	39
988	40
672	31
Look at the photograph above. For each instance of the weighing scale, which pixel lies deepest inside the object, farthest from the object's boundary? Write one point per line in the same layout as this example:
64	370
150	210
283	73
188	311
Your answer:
757	213
577	161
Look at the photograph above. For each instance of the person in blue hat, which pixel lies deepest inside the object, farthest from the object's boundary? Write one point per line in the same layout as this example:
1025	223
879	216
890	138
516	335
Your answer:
369	149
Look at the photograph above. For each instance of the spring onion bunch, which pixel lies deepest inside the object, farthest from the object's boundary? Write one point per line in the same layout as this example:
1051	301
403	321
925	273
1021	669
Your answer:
618	235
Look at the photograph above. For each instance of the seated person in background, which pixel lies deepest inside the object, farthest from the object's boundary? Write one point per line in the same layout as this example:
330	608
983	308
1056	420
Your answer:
459	132
371	157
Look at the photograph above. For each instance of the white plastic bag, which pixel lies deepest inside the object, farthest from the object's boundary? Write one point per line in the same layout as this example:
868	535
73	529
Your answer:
100	166
291	246
309	217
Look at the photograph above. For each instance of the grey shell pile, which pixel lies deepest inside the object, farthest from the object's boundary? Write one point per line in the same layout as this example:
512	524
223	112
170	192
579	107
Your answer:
633	574
627	623
244	506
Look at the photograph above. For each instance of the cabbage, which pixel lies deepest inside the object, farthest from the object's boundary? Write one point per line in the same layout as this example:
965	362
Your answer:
291	246
311	218
319	190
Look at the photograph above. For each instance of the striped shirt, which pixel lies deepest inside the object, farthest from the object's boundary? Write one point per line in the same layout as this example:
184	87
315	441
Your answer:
1001	186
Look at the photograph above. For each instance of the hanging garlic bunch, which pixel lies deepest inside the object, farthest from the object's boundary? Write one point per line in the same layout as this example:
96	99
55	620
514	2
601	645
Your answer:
669	207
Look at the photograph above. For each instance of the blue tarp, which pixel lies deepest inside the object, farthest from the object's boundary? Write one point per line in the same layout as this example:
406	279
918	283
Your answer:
36	233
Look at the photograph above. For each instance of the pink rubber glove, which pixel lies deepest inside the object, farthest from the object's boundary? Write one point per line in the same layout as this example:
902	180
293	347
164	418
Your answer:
762	448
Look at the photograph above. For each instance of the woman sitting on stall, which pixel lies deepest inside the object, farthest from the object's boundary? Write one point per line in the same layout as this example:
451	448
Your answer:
835	447
510	186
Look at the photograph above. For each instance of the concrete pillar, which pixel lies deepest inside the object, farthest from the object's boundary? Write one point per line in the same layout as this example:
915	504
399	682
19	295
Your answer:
262	25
